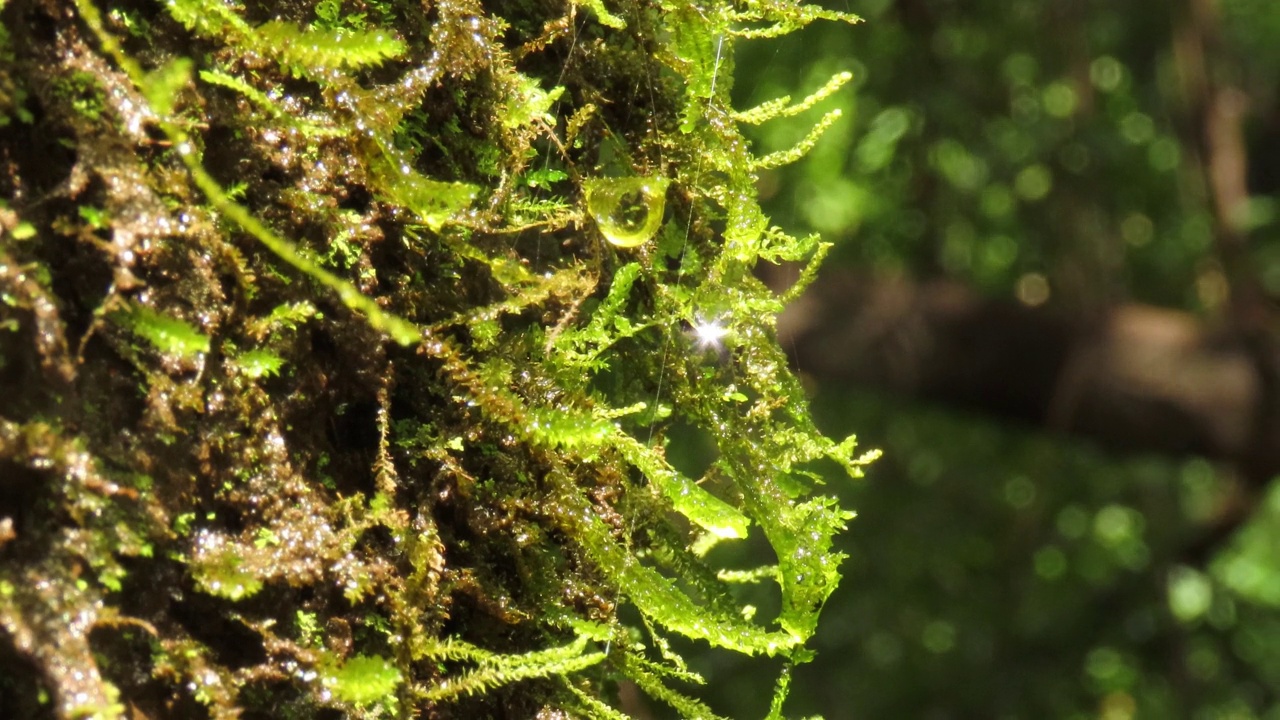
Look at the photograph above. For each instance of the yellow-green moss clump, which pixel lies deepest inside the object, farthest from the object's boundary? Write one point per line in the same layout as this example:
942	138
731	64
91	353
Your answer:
341	343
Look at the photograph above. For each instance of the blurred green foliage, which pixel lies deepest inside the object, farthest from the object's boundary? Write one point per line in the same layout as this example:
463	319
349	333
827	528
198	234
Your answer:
1003	573
998	141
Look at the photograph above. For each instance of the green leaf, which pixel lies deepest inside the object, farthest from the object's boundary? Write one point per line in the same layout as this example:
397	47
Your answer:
263	102
212	19
687	497
655	596
494	670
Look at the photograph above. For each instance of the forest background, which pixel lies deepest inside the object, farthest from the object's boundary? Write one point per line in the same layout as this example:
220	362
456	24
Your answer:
1053	305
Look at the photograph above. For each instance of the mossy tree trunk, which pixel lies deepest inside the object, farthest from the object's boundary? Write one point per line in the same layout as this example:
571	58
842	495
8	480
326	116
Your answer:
342	341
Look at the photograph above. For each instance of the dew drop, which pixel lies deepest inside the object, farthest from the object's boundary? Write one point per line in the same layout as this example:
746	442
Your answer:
628	211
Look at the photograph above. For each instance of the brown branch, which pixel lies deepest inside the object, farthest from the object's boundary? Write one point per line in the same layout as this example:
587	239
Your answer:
1140	379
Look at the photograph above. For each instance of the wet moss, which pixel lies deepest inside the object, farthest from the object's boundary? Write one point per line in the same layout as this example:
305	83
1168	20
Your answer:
331	389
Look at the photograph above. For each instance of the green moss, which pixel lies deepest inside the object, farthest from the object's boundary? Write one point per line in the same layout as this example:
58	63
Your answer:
259	363
222	571
415	293
81	93
364	680
167	334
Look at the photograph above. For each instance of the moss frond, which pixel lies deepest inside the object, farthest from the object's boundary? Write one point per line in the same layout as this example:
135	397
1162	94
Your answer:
493	670
315	52
802	148
779	107
167	334
649	681
264	103
606	18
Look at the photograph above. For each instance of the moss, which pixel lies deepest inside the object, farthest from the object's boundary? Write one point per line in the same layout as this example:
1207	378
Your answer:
79	91
348	343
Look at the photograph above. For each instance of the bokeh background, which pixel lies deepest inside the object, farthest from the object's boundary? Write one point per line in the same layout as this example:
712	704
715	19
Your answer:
1053	303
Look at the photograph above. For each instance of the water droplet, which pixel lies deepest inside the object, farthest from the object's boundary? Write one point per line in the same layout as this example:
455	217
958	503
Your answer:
628	211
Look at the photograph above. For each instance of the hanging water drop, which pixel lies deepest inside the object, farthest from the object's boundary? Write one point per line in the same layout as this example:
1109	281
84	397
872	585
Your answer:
628	211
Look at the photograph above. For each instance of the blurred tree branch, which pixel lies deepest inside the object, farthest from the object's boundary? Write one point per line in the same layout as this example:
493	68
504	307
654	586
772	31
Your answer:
1217	109
1138	380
